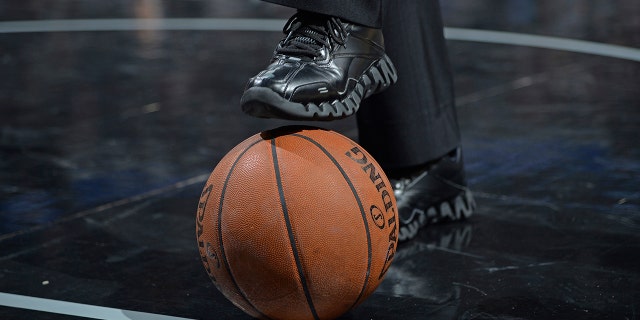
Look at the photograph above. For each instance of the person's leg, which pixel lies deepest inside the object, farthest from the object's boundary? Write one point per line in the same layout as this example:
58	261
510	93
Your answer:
364	12
325	66
414	121
412	129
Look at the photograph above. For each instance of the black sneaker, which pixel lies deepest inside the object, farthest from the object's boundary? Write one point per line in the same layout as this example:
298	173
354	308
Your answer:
321	70
436	194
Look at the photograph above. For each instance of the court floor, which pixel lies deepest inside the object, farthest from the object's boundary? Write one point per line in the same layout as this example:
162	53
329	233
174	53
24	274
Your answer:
113	113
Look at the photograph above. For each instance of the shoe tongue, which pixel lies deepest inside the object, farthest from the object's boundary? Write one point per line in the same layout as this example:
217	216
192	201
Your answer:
304	38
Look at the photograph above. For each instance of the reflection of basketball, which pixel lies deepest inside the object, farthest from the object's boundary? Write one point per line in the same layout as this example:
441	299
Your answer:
297	223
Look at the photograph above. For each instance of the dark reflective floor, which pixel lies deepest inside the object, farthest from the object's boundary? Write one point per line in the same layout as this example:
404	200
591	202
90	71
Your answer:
106	139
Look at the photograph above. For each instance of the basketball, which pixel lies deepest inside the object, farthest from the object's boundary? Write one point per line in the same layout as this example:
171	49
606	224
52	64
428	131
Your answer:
297	223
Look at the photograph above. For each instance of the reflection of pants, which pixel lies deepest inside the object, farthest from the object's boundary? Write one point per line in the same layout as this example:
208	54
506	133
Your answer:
415	120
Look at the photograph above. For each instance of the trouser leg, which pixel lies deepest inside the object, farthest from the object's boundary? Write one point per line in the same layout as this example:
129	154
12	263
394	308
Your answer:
414	121
364	12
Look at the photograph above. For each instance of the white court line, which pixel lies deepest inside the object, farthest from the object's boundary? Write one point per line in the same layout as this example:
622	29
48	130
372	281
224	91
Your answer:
71	25
462	34
77	309
546	42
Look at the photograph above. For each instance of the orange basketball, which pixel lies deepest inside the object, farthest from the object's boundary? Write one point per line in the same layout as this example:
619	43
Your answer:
297	223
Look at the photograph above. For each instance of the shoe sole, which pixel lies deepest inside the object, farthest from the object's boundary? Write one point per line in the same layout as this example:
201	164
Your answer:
265	103
459	208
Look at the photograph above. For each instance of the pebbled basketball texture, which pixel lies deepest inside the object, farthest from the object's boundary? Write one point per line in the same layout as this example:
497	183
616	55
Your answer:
297	223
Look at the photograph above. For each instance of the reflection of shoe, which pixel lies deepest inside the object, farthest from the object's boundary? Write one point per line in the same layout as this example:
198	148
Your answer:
321	70
416	274
436	194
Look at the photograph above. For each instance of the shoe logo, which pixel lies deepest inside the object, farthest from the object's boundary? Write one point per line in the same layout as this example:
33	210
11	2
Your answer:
323	90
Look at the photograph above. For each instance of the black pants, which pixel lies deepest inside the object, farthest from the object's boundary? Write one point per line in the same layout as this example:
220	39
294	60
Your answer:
414	121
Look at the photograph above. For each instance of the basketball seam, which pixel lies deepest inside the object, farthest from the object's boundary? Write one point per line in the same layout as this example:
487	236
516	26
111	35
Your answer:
292	240
222	251
358	200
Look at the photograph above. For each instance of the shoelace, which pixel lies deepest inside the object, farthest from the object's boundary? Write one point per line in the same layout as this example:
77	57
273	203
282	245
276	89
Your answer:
307	34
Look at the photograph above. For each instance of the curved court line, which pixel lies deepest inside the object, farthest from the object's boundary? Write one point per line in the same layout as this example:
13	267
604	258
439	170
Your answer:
220	24
77	309
545	42
72	25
